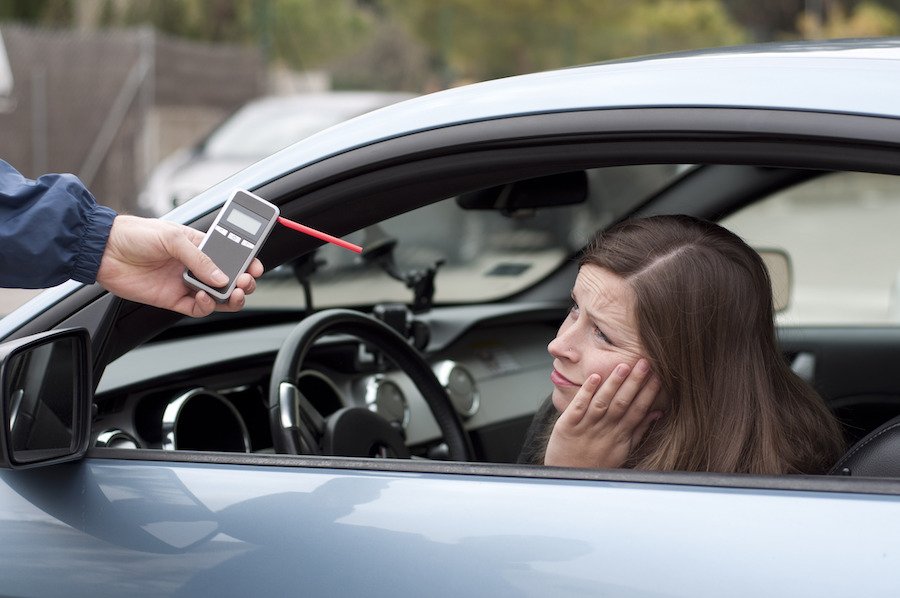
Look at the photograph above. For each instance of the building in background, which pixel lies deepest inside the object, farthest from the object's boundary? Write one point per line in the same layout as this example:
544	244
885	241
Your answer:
108	105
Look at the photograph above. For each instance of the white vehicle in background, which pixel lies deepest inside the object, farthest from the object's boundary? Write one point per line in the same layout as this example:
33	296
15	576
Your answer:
258	129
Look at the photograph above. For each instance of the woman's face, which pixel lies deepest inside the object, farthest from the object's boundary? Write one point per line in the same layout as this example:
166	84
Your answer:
599	333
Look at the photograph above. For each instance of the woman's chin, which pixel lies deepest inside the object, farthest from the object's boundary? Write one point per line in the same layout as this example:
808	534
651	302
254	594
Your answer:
560	400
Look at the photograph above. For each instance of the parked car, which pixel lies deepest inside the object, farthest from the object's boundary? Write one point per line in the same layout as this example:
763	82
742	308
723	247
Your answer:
214	457
258	129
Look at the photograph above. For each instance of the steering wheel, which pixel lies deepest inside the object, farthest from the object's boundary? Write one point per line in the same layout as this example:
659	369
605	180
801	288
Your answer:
298	428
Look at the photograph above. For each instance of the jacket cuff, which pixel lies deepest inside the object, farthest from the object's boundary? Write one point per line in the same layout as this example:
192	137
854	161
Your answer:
93	243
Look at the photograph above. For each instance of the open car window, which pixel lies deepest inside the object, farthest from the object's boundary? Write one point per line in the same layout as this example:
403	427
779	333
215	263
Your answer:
485	255
500	370
840	233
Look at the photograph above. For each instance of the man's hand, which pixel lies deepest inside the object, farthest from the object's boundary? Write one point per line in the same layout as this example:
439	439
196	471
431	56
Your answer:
145	258
603	424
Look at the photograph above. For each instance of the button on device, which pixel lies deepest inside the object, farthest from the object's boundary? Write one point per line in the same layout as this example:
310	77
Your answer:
221	230
247	243
234	237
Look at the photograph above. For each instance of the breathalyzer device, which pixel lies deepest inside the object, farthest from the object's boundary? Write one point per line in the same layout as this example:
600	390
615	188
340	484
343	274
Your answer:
235	237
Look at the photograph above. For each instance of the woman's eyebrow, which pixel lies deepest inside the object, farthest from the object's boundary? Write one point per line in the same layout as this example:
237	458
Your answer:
609	328
597	319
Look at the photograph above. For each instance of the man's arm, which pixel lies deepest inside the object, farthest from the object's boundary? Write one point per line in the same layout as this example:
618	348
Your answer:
51	230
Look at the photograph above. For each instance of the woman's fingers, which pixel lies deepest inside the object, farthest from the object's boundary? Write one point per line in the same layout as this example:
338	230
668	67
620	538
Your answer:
641	404
576	409
615	397
623	400
642	428
605	421
629	390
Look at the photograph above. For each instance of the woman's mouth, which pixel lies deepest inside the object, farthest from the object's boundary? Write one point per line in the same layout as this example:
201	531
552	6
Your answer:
559	380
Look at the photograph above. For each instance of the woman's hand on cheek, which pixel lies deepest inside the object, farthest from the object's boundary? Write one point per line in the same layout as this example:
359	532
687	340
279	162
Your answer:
604	422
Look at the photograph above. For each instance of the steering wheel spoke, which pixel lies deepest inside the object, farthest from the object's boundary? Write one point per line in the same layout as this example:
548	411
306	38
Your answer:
299	417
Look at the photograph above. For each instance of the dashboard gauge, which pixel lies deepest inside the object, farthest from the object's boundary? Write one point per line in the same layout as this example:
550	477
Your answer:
385	398
116	439
460	386
203	420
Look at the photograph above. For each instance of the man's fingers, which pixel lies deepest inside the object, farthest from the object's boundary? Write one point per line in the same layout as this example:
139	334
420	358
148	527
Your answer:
256	268
235	301
195	305
246	283
205	264
195	236
184	250
203	305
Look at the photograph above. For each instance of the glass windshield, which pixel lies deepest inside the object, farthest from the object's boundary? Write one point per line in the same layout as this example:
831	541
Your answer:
484	254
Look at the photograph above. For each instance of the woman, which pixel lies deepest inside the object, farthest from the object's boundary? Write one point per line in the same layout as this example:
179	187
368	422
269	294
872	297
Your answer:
668	360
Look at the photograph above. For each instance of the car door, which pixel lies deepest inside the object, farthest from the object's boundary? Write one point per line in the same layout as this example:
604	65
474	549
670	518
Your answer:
277	526
146	522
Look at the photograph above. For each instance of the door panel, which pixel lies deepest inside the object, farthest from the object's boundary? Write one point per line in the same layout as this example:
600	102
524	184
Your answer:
104	527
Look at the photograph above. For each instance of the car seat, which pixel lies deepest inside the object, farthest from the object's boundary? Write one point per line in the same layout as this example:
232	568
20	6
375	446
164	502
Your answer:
875	455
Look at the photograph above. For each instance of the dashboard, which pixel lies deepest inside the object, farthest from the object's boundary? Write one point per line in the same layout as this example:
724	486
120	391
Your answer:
209	392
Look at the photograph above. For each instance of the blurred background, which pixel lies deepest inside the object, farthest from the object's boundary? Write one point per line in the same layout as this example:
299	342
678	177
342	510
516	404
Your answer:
150	102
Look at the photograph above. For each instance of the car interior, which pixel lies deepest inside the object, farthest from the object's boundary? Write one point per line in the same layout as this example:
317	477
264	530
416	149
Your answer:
207	386
431	345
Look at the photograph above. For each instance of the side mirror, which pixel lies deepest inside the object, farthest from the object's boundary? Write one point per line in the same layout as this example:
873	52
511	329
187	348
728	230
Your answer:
45	398
781	274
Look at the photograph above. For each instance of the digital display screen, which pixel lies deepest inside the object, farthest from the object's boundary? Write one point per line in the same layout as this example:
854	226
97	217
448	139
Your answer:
243	220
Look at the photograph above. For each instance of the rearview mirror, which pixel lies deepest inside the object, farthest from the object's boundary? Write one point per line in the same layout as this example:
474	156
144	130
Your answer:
564	189
780	273
45	398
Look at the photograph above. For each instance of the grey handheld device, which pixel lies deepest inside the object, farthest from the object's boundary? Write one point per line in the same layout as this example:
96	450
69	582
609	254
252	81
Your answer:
234	239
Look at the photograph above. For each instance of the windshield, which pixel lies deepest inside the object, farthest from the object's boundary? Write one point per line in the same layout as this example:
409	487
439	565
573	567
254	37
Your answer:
484	254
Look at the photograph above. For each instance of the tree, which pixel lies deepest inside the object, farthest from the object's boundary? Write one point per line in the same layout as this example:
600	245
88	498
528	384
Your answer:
767	20
301	34
667	25
472	39
866	19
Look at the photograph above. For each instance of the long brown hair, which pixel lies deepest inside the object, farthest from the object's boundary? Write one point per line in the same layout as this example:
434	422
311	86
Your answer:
705	317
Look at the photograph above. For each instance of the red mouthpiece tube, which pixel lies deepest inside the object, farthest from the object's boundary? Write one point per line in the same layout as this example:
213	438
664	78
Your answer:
318	234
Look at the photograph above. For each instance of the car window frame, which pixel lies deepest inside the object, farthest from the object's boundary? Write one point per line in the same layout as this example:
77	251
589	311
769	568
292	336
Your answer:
831	484
324	192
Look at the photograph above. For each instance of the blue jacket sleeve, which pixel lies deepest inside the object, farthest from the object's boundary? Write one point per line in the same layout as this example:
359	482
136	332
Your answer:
51	230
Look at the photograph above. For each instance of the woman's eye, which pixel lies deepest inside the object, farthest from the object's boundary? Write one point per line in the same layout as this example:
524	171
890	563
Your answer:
599	334
573	309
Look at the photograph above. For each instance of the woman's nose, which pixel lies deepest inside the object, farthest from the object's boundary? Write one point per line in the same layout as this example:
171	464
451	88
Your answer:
562	346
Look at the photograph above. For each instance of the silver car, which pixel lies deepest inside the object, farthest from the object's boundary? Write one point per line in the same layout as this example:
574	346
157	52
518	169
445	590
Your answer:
355	430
